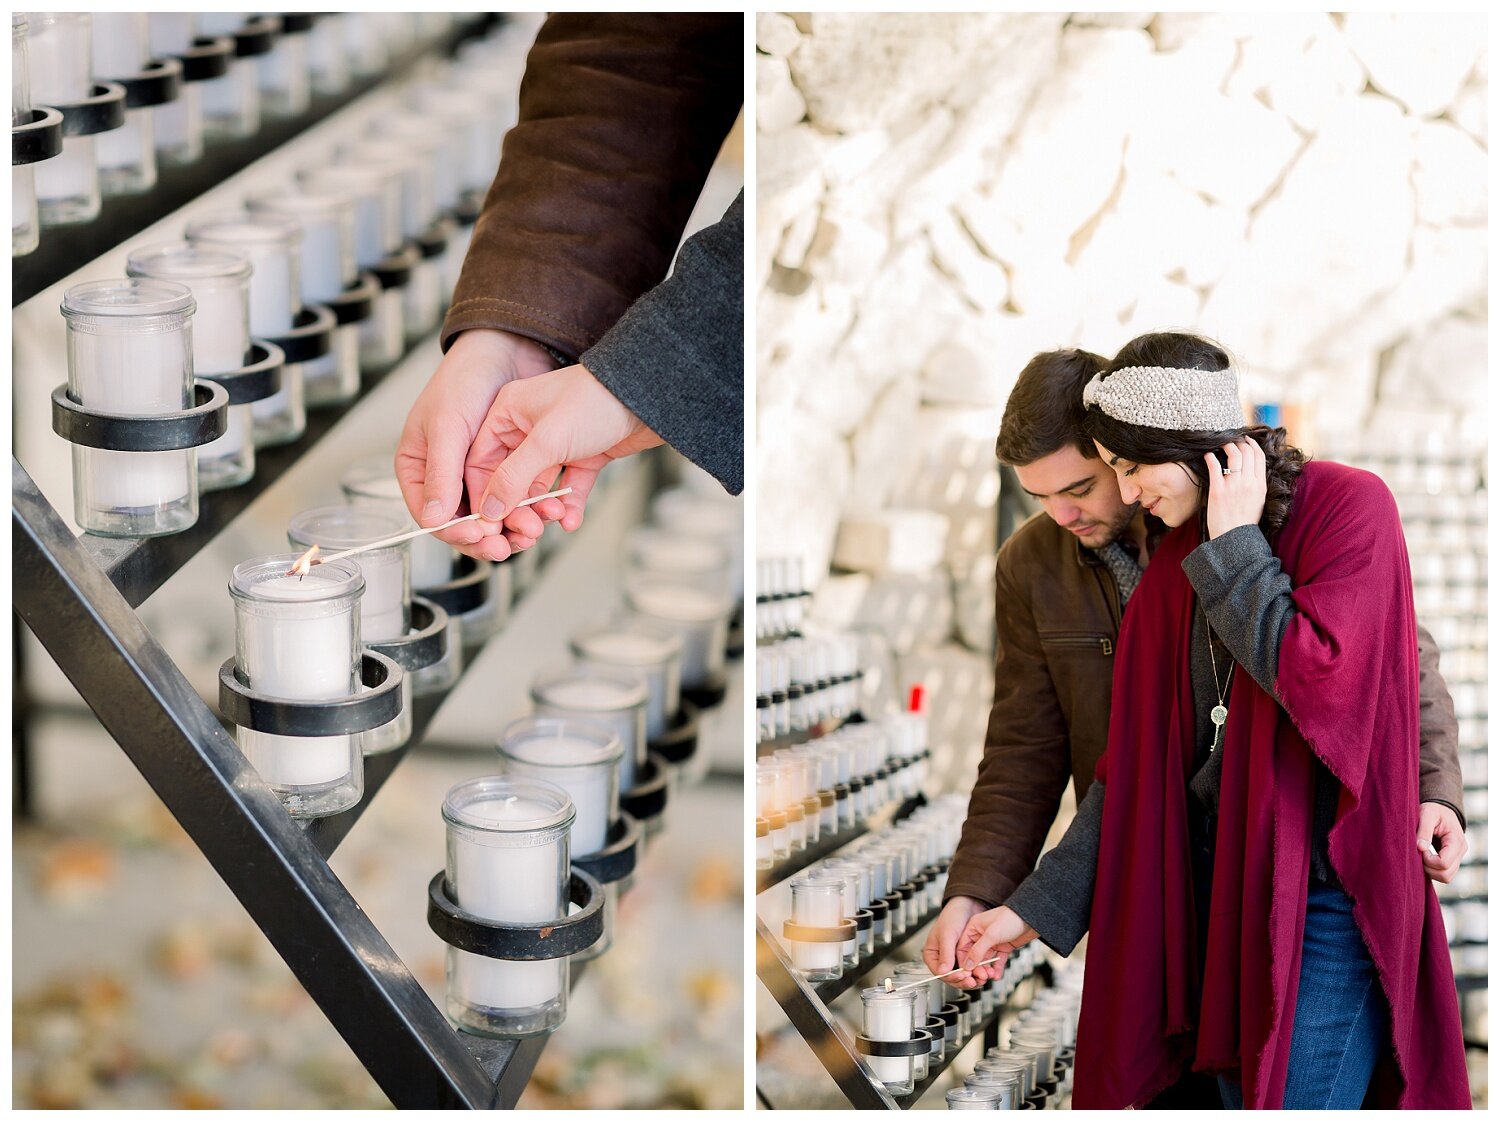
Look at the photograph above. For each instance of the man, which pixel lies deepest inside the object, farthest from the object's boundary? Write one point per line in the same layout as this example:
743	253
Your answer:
1061	585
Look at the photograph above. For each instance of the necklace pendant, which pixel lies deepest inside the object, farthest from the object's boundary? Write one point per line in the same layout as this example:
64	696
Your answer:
1219	714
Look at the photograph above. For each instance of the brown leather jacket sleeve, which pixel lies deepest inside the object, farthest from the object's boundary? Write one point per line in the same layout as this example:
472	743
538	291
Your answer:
1440	779
1025	767
621	116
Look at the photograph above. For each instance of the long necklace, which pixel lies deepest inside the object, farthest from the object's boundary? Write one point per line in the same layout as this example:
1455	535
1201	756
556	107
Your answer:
1220	712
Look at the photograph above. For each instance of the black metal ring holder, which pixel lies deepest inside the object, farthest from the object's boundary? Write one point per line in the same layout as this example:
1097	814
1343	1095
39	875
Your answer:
919	1045
163	432
256	37
522	942
394	270
734	643
843	932
356	303
378	704
102	111
207	59
38	137
616	860
258	379
710	693
426	644
961	1002
648	798
469	589
311	335
679	743
433	242
879	912
470	206
864	919
934	1028
159	83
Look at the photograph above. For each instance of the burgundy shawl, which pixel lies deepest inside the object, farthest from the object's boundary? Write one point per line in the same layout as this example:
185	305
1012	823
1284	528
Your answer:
1347	682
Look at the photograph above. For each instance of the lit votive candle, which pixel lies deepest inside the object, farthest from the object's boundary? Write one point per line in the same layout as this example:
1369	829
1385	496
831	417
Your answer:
698	616
890	1016
508	861
297	638
385	611
219	280
611	696
130	352
372	481
648	648
817	901
273	244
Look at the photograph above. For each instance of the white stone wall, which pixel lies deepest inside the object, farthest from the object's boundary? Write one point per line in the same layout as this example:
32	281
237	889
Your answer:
942	196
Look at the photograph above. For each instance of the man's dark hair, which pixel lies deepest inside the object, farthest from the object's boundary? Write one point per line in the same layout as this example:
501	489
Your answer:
1045	409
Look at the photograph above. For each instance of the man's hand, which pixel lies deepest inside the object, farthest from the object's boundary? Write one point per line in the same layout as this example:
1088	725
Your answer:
988	935
445	420
563	420
942	940
1438	826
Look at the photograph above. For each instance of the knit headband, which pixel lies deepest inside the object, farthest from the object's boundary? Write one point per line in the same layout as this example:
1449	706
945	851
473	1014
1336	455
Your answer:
1166	397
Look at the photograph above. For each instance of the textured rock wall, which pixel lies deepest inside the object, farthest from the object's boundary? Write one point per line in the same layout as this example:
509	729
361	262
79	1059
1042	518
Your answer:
941	196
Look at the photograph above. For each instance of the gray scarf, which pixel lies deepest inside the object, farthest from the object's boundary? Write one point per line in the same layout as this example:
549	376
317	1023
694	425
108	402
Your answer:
1123	567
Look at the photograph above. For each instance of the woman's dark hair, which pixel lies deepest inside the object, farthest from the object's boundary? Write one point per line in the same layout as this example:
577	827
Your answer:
1143	445
1045	409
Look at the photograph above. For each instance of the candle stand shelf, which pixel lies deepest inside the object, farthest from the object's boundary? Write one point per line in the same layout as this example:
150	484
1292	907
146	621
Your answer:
79	593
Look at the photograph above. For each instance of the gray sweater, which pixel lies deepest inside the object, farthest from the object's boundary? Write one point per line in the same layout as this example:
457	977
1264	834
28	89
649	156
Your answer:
677	357
1247	598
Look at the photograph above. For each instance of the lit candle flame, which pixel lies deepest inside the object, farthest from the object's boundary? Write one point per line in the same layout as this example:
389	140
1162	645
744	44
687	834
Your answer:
304	563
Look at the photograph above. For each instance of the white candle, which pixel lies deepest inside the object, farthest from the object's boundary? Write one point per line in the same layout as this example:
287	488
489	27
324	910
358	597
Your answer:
654	652
581	757
889	1016
372	482
59	57
171	33
509	884
698	616
386	605
326	218
817	902
616	700
299	657
417	178
114	367
120	43
376	191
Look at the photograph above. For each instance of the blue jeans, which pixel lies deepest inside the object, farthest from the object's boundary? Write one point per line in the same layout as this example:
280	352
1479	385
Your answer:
1341	1024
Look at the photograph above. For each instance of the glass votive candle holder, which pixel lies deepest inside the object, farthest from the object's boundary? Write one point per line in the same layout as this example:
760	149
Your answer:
385	609
326	267
372	481
680	558
508	862
418	179
327	57
719	517
297	638
283	73
854	901
817	902
910	974
890	1016
764	858
273	245
583	758
130	352
647	648
219	280
975	1098
59	50
698	616
781	838
67	185
127	155
1002	1068
611	696
231	103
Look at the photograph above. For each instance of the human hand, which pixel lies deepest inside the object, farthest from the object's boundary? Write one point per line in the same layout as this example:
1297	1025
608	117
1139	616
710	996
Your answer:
1236	492
446	418
1438	825
942	940
988	935
565	419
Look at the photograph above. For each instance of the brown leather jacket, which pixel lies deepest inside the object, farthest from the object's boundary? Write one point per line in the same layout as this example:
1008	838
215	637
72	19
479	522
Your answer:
621	118
1057	615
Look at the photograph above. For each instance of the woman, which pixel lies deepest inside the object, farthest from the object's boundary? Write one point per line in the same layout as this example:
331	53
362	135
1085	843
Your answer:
1260	913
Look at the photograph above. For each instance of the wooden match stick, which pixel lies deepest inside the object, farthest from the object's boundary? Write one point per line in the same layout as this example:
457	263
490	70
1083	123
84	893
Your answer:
892	988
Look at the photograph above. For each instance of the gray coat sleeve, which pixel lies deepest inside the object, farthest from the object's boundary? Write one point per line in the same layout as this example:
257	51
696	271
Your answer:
1247	597
677	357
1056	899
